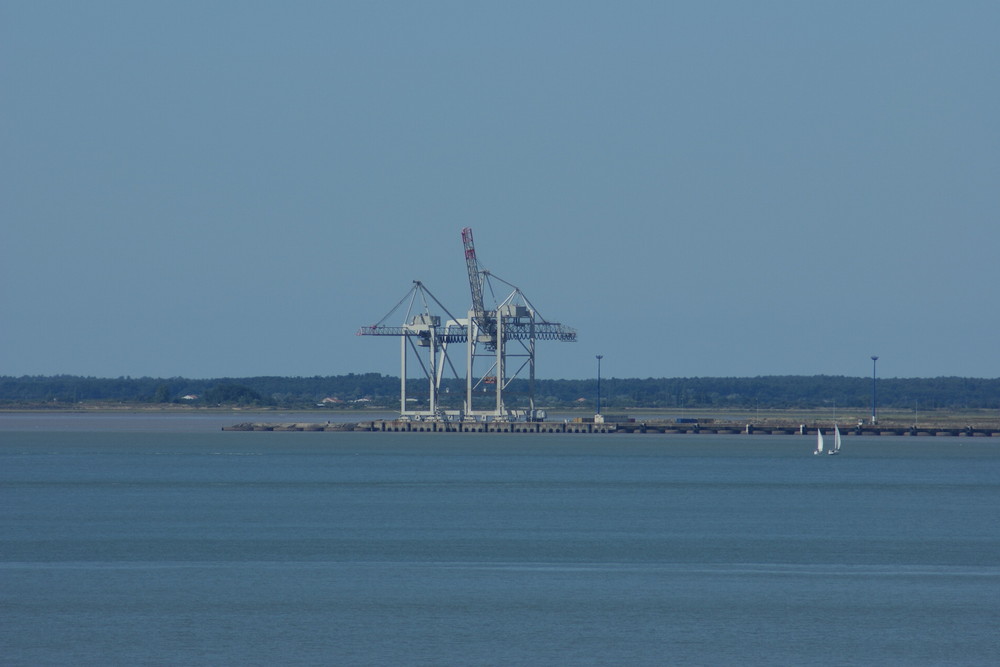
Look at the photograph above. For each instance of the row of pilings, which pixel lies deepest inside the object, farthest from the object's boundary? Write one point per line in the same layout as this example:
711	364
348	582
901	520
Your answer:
403	426
488	427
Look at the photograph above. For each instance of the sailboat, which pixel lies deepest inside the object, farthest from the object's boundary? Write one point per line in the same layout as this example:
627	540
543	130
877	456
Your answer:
836	441
836	436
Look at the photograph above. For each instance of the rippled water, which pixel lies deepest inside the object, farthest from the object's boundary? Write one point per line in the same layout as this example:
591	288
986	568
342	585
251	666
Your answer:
190	545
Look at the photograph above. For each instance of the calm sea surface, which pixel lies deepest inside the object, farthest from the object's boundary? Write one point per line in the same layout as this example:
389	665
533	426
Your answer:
136	539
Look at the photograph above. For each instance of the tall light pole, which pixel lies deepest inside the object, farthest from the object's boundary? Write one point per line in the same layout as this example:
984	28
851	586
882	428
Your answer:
599	357
874	413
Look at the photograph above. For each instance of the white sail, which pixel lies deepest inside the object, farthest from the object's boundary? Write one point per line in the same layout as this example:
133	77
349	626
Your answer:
836	438
819	441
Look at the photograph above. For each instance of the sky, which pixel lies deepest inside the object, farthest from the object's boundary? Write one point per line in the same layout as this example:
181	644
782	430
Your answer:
700	189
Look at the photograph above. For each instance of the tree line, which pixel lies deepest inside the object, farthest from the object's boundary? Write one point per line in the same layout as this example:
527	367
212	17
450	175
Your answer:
377	390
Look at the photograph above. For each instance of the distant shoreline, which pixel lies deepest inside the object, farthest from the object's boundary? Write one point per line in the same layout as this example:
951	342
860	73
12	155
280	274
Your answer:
761	418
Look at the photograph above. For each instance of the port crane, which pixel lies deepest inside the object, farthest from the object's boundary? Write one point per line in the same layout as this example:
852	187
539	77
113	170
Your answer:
503	336
421	328
505	333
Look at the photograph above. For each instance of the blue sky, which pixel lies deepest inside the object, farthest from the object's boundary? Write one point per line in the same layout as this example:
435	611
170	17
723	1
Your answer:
700	189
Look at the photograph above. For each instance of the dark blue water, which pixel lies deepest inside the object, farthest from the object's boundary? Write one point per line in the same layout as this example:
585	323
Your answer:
201	547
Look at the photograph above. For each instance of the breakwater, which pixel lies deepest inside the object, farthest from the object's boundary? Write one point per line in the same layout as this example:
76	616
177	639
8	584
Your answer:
629	427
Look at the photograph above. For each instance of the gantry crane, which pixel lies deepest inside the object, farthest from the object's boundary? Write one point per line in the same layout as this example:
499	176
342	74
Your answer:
421	330
512	322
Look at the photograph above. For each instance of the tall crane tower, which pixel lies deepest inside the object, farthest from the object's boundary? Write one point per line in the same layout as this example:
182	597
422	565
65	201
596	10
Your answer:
501	335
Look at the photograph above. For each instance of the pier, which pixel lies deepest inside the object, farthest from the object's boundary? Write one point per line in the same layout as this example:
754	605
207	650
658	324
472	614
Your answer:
618	428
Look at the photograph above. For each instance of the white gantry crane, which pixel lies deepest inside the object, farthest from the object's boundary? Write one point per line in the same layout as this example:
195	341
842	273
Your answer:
505	333
421	328
503	337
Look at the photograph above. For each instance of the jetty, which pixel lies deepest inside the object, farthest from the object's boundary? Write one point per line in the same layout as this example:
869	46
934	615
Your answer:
629	427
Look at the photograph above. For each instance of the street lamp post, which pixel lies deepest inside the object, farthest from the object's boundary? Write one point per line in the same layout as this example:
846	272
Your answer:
599	357
874	412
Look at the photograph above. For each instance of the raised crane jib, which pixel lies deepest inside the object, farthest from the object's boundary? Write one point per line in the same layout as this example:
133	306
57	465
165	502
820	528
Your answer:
475	282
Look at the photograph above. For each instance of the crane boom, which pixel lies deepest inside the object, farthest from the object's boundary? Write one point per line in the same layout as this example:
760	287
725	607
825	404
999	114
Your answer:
475	283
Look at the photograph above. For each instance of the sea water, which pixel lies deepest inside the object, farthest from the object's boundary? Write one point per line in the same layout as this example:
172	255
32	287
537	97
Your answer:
121	544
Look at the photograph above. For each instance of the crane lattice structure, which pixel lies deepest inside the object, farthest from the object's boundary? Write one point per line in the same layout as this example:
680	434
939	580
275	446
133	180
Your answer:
503	335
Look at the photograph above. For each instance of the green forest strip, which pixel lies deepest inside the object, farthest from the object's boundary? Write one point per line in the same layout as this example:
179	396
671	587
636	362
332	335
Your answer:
373	390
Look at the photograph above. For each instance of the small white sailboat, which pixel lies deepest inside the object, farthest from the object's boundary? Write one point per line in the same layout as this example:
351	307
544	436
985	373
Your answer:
836	436
836	441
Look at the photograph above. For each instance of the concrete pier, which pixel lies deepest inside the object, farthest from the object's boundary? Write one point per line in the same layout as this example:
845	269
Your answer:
629	427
